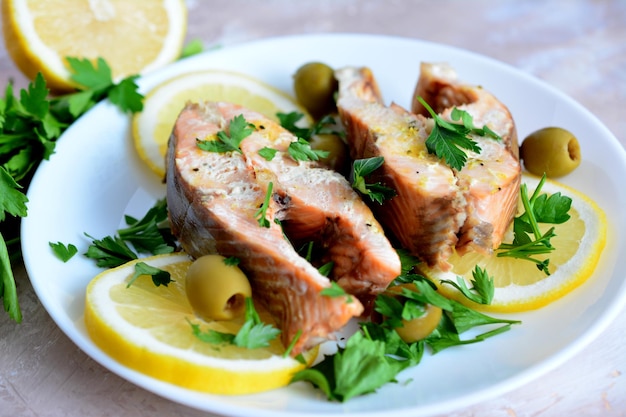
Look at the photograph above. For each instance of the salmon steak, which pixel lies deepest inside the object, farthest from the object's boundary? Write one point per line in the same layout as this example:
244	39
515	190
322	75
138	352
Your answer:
436	209
260	209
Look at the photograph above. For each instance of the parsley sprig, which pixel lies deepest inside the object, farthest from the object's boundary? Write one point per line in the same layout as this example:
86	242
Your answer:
528	241
159	276
150	234
376	354
300	149
30	125
290	122
253	334
449	141
238	130
482	290
361	168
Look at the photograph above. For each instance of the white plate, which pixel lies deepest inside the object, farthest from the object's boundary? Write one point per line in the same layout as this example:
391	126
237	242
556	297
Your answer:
95	178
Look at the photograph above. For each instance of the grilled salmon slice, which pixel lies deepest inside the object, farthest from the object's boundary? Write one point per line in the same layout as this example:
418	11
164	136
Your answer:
429	208
437	209
214	200
490	180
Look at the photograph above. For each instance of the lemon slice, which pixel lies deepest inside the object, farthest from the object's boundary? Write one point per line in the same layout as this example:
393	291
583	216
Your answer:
134	37
149	329
519	285
162	104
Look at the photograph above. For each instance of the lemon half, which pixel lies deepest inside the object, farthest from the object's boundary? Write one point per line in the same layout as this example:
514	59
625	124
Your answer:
148	328
134	37
152	127
519	284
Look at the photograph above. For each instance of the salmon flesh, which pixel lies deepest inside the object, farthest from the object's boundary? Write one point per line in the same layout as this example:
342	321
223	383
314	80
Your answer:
437	209
214	200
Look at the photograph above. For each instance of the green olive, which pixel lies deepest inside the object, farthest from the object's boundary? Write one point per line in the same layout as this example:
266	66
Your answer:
315	85
216	291
420	327
552	150
337	149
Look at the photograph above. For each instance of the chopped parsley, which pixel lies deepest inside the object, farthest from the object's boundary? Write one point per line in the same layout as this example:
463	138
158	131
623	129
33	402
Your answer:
253	334
151	234
449	141
238	130
159	276
376	354
62	251
482	290
335	291
375	191
300	150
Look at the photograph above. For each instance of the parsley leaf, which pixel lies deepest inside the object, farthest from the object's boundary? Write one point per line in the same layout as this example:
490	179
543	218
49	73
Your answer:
210	336
335	291
482	286
159	276
232	261
300	150
327	268
238	130
267	153
63	252
360	368
252	334
151	234
290	122
12	200
364	167
125	96
528	241
450	140
98	83
109	252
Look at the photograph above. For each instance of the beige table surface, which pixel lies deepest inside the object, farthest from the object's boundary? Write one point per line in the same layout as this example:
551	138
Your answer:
578	46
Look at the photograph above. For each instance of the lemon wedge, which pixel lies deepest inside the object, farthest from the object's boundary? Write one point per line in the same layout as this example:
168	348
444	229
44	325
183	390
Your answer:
134	37
149	328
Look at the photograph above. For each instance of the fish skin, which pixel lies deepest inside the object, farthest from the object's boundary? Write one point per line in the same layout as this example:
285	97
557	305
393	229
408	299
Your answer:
444	210
213	199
